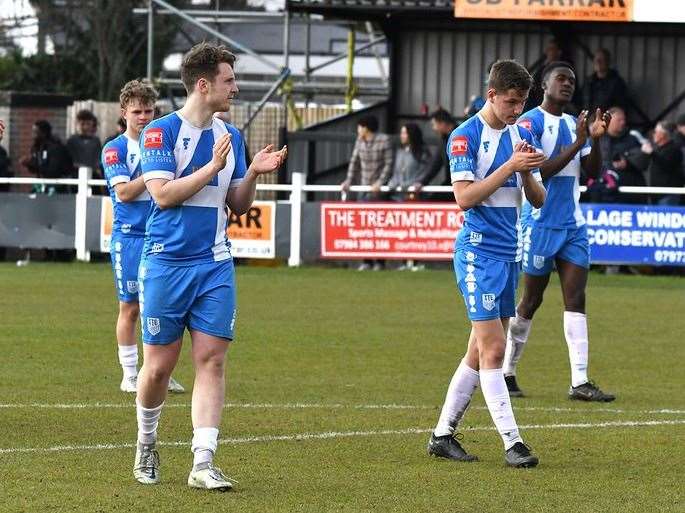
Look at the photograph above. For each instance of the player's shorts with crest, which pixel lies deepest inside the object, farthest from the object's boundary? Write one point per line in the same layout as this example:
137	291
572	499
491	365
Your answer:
488	285
542	245
125	253
199	297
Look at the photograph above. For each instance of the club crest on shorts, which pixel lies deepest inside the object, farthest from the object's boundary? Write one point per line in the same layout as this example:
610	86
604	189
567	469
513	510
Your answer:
538	261
475	238
488	301
153	325
132	286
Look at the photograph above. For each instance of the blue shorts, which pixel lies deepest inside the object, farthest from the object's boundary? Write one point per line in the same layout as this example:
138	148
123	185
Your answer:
542	245
172	298
125	253
488	286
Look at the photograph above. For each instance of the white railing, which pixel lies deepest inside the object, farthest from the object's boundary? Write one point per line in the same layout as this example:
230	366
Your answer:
297	188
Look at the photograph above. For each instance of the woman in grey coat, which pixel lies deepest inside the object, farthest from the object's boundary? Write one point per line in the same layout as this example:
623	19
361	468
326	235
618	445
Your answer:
410	160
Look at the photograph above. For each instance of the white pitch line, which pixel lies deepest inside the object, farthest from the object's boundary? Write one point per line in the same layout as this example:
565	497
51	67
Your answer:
332	406
343	434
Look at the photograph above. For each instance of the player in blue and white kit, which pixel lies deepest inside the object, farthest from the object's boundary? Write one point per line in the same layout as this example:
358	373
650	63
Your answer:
491	161
131	204
556	233
194	167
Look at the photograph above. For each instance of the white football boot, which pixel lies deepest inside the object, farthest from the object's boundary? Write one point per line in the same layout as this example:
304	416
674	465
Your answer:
146	466
175	387
208	477
129	385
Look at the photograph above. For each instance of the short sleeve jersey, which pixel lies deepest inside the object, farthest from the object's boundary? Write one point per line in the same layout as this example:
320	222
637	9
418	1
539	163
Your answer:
121	162
195	231
554	133
475	150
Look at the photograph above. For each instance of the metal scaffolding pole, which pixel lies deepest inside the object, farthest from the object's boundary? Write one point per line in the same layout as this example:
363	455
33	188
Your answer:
286	64
150	39
307	53
349	95
381	69
344	55
234	44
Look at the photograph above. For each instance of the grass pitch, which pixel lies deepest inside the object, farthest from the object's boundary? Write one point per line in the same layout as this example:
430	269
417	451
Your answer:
335	380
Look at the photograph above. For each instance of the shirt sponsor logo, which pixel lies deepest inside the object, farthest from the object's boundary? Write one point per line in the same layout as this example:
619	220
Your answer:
153	138
459	146
525	123
488	301
186	140
486	146
111	157
132	157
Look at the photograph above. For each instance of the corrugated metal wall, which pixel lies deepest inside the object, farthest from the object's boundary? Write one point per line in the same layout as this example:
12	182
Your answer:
440	67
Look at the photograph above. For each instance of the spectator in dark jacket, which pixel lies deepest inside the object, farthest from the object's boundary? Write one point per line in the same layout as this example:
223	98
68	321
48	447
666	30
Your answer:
442	123
84	146
49	157
604	88
4	160
680	137
665	162
621	155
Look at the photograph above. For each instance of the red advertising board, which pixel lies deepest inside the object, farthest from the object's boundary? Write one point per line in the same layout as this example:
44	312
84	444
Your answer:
420	231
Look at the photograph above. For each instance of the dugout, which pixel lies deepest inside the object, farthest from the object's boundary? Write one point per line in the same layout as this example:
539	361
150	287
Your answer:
437	59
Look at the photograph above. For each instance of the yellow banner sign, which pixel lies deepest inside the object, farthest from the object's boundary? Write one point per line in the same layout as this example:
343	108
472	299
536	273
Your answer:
568	10
252	234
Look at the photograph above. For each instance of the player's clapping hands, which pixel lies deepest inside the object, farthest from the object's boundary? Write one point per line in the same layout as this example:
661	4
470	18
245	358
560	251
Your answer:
525	157
220	151
268	160
600	124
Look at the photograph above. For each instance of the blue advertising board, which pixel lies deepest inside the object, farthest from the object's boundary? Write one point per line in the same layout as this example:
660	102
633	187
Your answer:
635	234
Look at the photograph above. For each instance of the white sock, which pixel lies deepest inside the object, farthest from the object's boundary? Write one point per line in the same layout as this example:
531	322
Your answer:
517	336
128	358
205	440
459	393
575	331
148	418
497	398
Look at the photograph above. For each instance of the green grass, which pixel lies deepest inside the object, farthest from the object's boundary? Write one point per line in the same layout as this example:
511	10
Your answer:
335	340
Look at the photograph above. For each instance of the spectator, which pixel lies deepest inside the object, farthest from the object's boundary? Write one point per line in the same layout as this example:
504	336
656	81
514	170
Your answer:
49	157
442	123
605	87
4	161
370	164
665	162
84	146
553	53
680	137
410	160
371	161
477	101
620	157
121	128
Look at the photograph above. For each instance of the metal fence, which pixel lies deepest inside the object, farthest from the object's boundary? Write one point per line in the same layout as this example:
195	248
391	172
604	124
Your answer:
297	189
